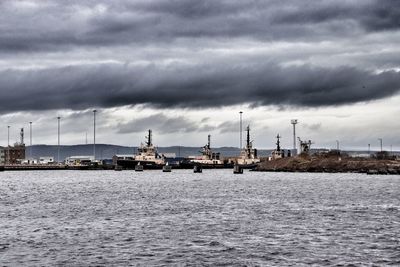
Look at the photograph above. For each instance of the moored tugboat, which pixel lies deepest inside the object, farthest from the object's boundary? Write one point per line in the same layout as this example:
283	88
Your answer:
147	157
248	158
208	159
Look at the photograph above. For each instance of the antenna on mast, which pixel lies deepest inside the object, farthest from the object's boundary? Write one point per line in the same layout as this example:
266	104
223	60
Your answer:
149	138
22	137
278	143
248	136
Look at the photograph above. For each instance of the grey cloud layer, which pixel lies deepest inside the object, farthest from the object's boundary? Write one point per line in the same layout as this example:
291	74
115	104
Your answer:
170	124
194	35
79	87
53	24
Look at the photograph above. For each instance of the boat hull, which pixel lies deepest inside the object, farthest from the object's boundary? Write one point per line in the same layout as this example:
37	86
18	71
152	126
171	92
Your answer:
190	165
248	166
147	165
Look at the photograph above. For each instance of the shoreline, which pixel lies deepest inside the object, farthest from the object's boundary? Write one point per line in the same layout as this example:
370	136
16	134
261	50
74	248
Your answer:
330	164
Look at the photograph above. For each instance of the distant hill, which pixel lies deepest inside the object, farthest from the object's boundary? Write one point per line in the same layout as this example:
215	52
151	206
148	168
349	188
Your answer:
105	151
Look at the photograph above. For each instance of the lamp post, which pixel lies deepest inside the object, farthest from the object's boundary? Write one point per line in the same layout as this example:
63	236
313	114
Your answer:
94	134
30	139
381	141
8	135
8	144
294	122
58	140
240	143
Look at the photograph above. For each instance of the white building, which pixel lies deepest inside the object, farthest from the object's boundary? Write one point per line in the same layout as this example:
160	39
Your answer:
28	161
46	160
79	160
2	155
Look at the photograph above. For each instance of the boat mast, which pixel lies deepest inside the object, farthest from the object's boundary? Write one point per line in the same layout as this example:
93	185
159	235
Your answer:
248	146
248	136
149	137
278	143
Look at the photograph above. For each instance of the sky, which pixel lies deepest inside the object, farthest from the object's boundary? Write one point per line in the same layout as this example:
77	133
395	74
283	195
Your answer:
185	68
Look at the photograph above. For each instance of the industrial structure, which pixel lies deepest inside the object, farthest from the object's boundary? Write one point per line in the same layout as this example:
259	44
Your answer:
305	146
15	154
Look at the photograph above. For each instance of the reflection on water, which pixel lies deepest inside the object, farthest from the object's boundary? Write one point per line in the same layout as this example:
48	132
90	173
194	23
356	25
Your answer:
155	218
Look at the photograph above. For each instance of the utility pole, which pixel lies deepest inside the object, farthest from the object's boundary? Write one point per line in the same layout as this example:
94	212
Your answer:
94	134
8	135
58	140
8	144
381	142
30	139
294	122
240	146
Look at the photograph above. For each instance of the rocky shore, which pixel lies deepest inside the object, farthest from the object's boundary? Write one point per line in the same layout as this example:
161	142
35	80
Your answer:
331	164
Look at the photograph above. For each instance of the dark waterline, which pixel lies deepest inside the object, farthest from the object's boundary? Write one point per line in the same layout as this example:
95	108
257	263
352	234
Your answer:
124	218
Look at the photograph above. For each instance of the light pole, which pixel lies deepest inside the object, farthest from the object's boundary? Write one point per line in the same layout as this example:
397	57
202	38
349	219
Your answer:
381	141
8	144
94	134
294	122
8	135
30	139
58	138
240	143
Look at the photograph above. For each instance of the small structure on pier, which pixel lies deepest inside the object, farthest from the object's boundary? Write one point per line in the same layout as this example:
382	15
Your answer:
305	146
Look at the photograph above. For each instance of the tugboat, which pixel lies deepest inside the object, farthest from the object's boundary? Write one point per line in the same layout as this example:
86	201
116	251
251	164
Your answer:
248	158
147	157
167	168
197	169
208	159
278	153
237	169
138	167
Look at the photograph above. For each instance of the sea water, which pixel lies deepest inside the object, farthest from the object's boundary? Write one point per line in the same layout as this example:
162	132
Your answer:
81	218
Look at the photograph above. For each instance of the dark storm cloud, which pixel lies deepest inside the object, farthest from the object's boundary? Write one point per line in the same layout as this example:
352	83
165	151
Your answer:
204	74
60	25
80	87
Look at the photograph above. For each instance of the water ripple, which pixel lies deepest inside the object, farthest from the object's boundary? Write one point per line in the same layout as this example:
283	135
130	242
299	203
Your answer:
212	219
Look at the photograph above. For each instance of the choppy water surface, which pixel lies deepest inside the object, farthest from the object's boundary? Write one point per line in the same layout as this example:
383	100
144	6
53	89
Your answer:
215	218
